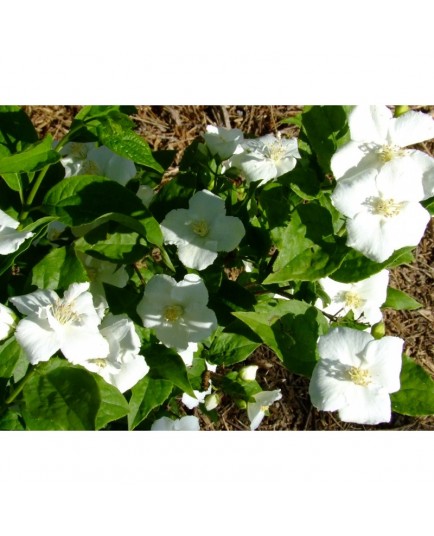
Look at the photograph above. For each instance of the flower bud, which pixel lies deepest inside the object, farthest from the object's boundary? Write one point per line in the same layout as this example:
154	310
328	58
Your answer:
248	373
212	401
378	330
241	404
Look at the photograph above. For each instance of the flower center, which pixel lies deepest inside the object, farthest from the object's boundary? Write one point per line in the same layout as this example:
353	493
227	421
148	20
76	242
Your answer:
359	376
64	313
200	227
388	152
99	362
264	409
386	207
353	300
277	152
173	312
90	168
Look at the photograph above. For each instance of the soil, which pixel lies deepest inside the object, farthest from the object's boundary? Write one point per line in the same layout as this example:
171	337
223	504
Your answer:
175	127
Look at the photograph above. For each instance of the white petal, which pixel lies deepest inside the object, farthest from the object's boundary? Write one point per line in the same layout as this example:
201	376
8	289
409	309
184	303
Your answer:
74	291
425	164
7	221
384	357
191	289
38	340
328	387
200	321
401	180
189	423
284	165
367	407
408	227
351	193
374	288
177	227
188	354
255	167
343	345
353	158
79	344
228	232
370	123
164	424
371	235
255	415
11	240
173	334
206	205
129	374
33	302
410	128
222	141
198	257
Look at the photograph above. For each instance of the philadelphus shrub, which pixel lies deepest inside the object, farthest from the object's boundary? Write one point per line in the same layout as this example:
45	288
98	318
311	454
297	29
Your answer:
132	298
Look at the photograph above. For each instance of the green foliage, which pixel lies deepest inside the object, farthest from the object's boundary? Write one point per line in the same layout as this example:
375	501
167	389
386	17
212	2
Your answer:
166	364
10	352
113	405
33	158
416	395
400	301
60	396
58	269
147	394
16	130
230	345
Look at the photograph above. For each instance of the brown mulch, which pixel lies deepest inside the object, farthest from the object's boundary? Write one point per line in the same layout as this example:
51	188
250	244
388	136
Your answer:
175	127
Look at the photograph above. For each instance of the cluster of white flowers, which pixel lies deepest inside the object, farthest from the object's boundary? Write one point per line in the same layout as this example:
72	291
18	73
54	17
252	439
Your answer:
72	325
381	183
89	159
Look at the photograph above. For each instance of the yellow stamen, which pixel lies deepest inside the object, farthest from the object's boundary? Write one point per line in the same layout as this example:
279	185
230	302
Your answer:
173	312
359	376
386	207
389	152
353	300
200	227
64	312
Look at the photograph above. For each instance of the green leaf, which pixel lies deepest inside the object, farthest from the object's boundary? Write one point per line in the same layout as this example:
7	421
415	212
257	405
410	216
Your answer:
11	421
307	247
35	157
429	205
416	395
80	200
326	129
229	347
61	398
58	269
126	143
147	395
10	352
16	130
119	247
291	329
400	301
237	388
113	406
166	364
356	266
14	181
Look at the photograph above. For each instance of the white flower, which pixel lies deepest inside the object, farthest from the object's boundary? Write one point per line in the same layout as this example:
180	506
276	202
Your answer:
87	159
212	401
377	137
382	209
189	423
257	410
69	324
202	230
100	272
364	297
223	141
123	367
7	321
265	158
187	355
177	311
10	239
355	375
248	373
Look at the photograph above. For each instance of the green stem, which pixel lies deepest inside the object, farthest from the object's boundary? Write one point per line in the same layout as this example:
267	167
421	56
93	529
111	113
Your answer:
33	192
18	390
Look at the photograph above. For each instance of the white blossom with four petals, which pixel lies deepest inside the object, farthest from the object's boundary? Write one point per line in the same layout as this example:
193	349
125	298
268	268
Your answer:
177	311
202	230
383	209
10	238
377	138
265	158
88	159
69	324
355	375
223	141
364	297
